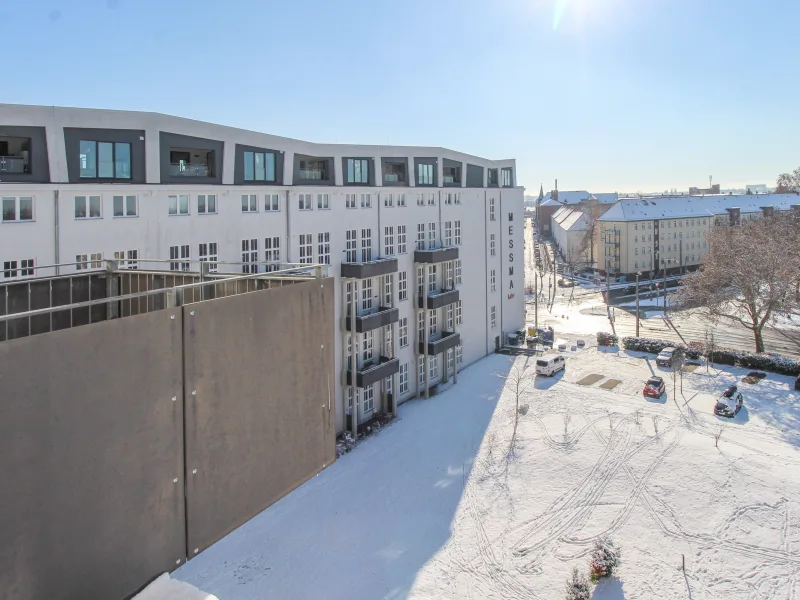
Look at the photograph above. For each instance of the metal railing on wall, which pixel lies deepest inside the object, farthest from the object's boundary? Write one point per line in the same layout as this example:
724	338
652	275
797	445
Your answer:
109	289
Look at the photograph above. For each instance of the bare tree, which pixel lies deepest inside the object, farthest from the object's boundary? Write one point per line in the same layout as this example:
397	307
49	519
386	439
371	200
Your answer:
788	182
718	431
751	270
655	423
637	416
567	420
586	246
709	343
519	381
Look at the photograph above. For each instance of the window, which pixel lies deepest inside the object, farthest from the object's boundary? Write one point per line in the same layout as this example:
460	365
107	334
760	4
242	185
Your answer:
420	200
18	209
367	348
350	201
323	201
459	313
492	248
507	177
366	200
492	177
394	172
402	247
403	378
636	239
420	236
272	202
421	372
636	227
351	246
403	332
449	318
493	281
105	160
491	209
433	367
636	264
272	253
304	201
176	253
448	275
458	233
81	262
249	203
369	399
366	295
357	170
124	206
401	199
366	245
259	166
316	170
433	322
402	285
420	280
451	175
448	233
179	204
388	241
494	317
636	251
324	248
250	256
132	259
388	200
432	278
421	326
208	254
459	354
450	360
87	207
306	248
431	236
424	174
206	204
432	199
458	271
387	292
26	268
448	198
458	197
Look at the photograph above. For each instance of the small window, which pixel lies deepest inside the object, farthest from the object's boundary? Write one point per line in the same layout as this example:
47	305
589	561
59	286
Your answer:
357	170
491	209
401	199
388	200
272	253
323	201
492	179
402	285
208	253
494	317
18	209
458	233
272	202
87	207
507	175
350	201
104	160
179	204
402	245
125	206
424	174
304	201
324	248
206	204
366	200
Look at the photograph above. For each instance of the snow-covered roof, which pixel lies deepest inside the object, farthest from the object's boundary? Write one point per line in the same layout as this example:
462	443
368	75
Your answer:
669	207
570	219
564	198
606	197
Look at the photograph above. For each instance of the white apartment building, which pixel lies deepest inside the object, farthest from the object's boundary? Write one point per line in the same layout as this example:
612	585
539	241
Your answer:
426	243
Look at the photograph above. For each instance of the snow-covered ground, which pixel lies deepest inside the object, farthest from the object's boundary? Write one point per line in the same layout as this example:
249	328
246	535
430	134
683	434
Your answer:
433	507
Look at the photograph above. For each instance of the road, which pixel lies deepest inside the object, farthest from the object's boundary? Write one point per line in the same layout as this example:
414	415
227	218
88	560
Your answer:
685	326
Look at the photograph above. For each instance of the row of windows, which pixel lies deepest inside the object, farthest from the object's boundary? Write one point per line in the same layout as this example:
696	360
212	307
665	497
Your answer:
670	224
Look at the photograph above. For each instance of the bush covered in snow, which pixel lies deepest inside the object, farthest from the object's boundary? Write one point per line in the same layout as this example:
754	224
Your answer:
604	559
656	346
606	339
578	587
345	443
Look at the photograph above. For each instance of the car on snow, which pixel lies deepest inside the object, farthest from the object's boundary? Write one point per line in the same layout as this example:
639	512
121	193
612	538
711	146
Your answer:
730	403
550	365
667	356
653	387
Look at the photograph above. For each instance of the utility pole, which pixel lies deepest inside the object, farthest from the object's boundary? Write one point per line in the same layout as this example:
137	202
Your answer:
637	302
666	262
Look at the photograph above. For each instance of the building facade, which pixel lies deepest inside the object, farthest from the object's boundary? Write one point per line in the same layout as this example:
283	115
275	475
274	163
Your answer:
650	235
426	244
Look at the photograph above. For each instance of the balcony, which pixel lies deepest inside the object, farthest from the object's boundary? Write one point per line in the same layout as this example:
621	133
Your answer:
436	255
312	174
445	341
190	170
385	315
13	164
374	371
372	268
438	299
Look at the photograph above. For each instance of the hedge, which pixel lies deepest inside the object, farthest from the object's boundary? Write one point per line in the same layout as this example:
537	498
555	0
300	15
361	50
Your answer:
723	356
606	339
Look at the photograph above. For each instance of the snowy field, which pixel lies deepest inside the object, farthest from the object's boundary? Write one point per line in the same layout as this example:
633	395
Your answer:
433	507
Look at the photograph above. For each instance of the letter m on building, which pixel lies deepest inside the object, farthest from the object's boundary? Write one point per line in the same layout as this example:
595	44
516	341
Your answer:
511	216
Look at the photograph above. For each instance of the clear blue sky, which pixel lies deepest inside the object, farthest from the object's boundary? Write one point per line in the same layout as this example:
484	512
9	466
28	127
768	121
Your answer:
602	94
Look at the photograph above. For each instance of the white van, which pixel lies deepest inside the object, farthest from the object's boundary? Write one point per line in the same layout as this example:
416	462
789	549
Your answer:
550	365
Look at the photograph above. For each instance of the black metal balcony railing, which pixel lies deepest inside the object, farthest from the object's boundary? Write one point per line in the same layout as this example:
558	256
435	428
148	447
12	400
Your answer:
438	299
189	170
12	164
446	341
374	371
371	268
385	315
436	255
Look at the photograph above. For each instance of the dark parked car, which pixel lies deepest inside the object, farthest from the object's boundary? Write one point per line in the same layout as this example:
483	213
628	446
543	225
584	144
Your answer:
730	403
797	383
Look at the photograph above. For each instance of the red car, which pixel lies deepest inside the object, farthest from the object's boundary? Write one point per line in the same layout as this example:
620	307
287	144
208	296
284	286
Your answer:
653	388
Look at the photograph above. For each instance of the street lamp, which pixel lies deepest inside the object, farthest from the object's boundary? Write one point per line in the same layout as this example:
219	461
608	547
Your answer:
638	274
666	261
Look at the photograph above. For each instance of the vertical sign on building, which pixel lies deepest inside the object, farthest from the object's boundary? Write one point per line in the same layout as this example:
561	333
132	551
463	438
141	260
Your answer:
514	288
